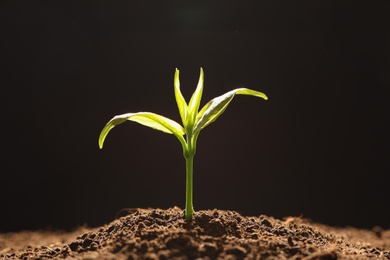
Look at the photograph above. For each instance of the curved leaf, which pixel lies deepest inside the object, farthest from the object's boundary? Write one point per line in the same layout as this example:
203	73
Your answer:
213	109
193	105
181	102
149	119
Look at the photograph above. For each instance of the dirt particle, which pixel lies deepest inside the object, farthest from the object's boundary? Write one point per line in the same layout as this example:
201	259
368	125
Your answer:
266	222
237	251
151	256
215	228
141	225
375	251
163	255
87	242
179	241
110	229
74	245
290	241
143	248
209	249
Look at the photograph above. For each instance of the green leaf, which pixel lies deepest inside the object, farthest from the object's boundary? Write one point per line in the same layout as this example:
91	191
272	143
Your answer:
213	109
151	120
181	102
193	105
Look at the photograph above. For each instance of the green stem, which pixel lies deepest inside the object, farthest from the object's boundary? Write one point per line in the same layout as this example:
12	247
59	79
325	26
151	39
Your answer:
189	153
189	211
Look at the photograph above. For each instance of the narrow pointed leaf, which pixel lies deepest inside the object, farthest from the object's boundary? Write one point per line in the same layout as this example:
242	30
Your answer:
213	109
181	102
193	105
151	120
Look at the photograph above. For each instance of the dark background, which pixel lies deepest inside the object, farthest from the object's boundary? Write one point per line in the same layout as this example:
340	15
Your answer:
319	147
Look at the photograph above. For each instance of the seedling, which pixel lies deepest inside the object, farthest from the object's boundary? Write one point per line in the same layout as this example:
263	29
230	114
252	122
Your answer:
193	122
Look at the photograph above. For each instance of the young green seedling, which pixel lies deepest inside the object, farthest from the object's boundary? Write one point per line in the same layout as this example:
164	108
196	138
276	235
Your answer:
193	122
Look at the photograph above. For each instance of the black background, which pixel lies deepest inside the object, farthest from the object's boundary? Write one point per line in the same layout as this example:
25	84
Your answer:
319	147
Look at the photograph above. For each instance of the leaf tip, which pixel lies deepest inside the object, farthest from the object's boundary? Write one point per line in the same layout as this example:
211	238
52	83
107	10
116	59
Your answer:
100	143
176	75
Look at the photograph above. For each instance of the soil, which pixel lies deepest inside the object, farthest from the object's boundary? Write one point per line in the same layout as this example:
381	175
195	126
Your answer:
212	234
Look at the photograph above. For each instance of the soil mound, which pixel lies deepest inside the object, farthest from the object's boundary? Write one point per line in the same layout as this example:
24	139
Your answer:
212	234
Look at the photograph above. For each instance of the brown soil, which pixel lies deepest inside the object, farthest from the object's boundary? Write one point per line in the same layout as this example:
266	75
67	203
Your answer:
212	234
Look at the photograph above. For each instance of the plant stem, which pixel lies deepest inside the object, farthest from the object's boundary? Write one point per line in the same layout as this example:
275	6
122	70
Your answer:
189	211
189	153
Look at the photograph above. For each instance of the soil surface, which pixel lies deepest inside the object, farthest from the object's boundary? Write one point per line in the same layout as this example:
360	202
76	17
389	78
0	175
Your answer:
212	234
